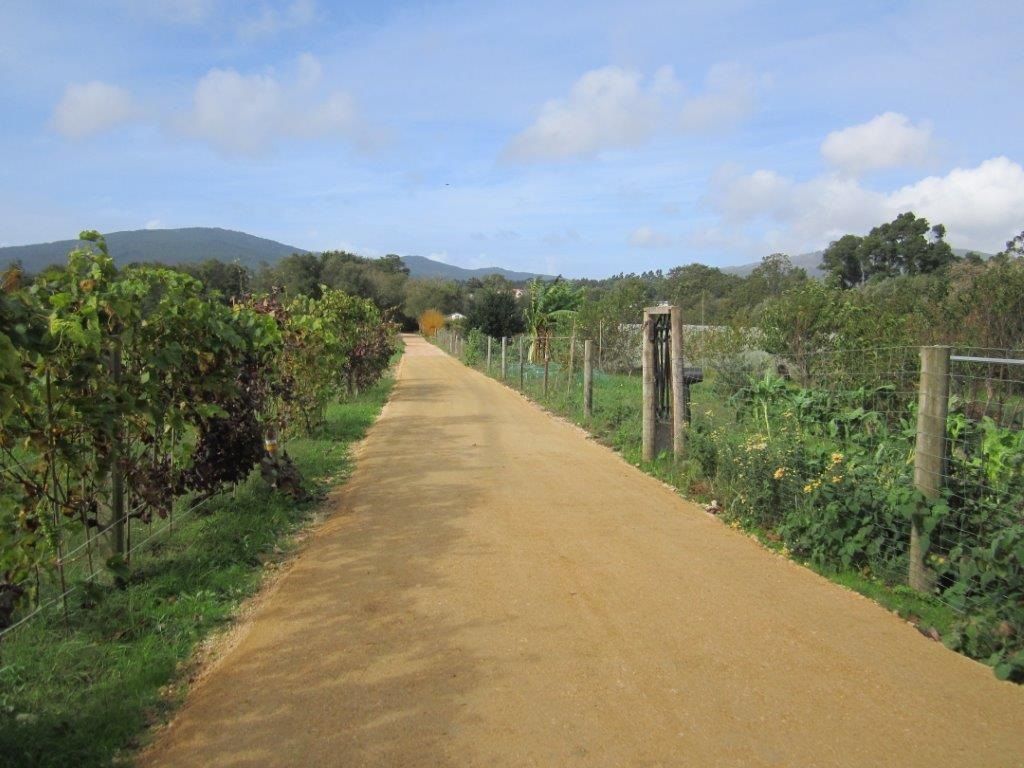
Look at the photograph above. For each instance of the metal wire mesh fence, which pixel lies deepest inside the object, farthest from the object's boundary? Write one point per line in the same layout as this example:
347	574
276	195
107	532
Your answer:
833	455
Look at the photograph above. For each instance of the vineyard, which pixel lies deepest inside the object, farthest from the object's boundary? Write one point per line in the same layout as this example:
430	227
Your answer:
814	454
131	400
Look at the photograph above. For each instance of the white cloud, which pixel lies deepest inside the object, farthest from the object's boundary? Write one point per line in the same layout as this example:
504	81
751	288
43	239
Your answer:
606	108
981	206
247	114
614	108
270	20
730	96
90	108
889	140
646	237
154	224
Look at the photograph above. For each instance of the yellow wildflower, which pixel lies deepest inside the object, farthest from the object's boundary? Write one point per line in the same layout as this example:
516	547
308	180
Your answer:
780	473
837	458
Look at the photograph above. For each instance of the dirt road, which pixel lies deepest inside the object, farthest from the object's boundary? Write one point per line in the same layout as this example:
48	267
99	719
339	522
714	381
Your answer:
496	590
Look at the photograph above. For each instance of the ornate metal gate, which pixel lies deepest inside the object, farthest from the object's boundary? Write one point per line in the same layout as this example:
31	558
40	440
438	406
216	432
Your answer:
660	330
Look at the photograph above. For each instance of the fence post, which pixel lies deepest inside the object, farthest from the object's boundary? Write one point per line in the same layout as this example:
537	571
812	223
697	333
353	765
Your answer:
648	390
488	355
504	346
547	359
522	364
572	358
588	380
929	452
679	392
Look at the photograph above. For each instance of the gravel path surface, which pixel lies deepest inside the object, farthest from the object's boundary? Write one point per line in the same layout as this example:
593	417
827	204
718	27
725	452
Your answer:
496	590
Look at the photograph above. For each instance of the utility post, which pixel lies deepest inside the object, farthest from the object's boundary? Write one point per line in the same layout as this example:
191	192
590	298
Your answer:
929	452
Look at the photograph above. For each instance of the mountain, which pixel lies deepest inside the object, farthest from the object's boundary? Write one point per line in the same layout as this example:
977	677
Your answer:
178	246
808	261
168	246
420	266
812	261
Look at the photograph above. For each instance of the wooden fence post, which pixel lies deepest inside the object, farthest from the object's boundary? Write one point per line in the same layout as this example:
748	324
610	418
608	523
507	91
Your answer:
930	451
504	345
522	364
588	380
648	389
678	389
489	355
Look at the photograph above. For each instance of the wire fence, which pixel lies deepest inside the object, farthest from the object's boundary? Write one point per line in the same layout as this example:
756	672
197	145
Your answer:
826	454
86	563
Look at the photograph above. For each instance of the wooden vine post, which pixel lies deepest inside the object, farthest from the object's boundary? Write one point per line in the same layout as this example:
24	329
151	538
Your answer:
929	452
117	510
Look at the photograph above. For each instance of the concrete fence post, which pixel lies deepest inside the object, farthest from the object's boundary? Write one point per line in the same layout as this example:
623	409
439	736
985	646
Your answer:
547	361
929	452
489	340
588	380
504	345
572	358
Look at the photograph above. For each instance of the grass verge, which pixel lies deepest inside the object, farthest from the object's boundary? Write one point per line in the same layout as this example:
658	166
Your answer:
85	695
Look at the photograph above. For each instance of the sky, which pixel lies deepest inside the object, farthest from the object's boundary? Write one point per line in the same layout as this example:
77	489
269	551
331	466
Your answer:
584	139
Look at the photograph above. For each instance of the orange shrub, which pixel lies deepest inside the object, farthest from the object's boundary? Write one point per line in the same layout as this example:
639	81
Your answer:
431	322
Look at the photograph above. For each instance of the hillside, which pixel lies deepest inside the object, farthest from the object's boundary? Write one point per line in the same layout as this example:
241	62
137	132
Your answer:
168	246
420	266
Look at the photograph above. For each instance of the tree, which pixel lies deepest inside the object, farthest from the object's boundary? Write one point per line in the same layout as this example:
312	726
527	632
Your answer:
841	260
433	293
769	279
227	279
495	312
705	294
904	246
549	304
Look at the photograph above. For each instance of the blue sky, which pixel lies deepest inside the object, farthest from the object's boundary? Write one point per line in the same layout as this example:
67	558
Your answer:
580	138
